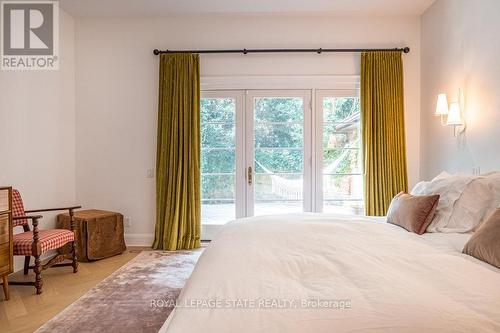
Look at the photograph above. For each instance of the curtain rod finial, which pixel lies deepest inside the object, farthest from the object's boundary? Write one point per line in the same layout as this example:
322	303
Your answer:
156	51
406	50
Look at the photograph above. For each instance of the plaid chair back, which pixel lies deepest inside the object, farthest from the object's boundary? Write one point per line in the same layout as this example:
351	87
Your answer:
18	209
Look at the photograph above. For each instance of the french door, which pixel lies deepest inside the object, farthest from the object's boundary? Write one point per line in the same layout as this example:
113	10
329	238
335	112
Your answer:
256	153
278	152
270	152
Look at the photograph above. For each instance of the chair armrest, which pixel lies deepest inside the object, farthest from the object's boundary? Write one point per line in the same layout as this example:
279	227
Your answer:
52	209
69	209
34	220
27	217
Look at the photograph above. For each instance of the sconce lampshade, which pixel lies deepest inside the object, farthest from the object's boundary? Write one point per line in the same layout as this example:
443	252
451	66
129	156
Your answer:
442	105
455	116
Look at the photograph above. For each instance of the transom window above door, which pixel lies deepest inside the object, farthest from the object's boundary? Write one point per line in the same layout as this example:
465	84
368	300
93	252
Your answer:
279	151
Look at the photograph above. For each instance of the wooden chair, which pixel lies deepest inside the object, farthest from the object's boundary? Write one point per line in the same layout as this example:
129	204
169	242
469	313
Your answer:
35	242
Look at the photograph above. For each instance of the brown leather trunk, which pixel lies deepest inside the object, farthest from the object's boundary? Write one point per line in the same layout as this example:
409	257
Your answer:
99	233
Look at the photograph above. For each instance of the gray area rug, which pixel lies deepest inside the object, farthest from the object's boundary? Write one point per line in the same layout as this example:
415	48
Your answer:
127	300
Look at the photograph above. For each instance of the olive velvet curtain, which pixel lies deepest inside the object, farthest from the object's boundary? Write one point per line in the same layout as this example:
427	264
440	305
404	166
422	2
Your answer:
178	204
383	129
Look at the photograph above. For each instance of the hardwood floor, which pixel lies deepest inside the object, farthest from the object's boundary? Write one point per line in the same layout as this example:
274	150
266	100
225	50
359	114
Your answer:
26	311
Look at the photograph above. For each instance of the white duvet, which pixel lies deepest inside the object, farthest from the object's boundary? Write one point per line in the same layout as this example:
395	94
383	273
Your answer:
266	274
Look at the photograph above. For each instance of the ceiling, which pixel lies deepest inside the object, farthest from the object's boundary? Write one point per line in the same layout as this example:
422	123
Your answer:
159	8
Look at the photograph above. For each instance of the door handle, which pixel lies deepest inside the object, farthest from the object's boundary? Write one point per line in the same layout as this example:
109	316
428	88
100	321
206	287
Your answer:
250	175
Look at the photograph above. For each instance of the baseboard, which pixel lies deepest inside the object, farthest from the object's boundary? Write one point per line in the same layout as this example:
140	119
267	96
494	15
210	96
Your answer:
139	239
208	232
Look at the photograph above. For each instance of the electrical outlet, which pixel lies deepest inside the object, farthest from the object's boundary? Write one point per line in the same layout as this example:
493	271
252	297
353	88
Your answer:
150	173
128	222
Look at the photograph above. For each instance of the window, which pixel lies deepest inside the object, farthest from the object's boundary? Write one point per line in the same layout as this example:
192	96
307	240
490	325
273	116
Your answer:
218	157
341	168
267	152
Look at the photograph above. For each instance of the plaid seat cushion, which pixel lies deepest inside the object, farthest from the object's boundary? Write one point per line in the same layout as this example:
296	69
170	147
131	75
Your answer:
49	239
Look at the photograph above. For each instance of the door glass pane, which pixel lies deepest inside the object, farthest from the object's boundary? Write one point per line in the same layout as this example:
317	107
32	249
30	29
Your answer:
276	160
279	109
280	135
342	168
341	161
278	155
342	187
218	160
340	135
217	135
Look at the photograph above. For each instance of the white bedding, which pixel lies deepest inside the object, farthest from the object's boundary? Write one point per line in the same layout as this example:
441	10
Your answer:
383	278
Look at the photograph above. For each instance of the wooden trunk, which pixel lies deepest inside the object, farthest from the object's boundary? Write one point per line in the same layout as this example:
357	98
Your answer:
99	233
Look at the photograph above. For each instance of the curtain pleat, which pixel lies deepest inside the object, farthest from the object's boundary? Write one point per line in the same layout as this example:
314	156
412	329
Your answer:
383	129
178	203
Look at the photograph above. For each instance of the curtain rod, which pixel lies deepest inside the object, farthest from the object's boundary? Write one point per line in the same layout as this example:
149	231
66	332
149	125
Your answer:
246	51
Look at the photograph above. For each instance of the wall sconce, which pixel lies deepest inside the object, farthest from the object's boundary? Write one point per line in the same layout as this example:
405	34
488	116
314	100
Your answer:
453	113
442	107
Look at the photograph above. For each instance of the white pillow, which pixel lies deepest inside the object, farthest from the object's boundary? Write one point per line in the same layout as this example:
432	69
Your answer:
476	204
450	188
494	185
442	175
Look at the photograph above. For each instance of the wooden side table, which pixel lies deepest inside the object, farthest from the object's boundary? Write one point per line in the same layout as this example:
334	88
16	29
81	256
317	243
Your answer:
6	245
99	233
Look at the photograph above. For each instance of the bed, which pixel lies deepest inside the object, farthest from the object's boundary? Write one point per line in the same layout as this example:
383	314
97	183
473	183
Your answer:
333	273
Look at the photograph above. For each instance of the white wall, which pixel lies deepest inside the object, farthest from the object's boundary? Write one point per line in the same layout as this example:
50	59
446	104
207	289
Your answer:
117	74
37	131
461	49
